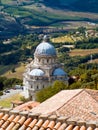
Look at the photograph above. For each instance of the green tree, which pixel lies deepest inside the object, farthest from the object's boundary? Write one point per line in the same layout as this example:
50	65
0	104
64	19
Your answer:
2	79
95	79
46	93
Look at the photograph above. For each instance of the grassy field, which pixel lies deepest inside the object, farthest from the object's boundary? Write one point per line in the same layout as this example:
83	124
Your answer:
6	1
7	102
17	74
67	39
82	52
5	68
63	39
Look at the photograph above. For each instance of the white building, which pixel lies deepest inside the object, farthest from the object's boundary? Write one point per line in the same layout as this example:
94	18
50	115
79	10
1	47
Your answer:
43	70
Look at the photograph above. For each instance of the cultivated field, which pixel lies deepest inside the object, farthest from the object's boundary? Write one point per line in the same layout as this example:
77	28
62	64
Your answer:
67	39
82	52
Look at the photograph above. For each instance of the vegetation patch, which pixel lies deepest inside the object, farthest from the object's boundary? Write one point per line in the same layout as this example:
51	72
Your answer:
82	52
7	102
19	70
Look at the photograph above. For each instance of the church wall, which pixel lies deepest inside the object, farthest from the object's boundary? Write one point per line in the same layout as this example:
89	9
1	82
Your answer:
47	62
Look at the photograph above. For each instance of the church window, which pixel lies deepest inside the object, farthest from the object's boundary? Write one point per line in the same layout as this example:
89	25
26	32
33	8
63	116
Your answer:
37	87
39	60
47	60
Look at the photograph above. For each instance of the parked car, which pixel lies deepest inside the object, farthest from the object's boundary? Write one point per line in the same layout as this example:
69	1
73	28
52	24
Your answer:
7	91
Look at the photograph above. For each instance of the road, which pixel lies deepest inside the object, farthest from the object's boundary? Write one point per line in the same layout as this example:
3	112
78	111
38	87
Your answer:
11	93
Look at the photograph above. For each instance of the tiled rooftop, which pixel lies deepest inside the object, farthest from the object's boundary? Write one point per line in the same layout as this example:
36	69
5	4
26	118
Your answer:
27	106
16	120
55	102
81	104
67	110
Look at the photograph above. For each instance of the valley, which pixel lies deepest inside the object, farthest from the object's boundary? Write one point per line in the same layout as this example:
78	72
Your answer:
36	17
23	24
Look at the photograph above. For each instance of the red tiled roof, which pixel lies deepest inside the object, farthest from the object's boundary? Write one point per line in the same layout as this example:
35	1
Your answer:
15	120
67	110
55	102
27	106
81	104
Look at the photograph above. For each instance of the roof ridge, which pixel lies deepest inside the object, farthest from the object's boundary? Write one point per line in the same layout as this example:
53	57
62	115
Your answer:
71	98
86	90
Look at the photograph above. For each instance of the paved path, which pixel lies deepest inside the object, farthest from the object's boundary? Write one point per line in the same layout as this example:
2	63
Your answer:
12	92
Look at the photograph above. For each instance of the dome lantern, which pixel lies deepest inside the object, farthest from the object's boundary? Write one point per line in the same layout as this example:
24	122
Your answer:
46	38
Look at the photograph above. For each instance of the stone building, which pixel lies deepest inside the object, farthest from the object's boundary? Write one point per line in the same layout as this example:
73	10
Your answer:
43	70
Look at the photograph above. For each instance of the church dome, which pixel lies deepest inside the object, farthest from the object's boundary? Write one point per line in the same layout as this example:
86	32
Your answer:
59	72
45	49
36	72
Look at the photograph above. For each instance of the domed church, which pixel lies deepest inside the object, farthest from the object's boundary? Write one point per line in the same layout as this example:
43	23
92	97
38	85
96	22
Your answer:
43	70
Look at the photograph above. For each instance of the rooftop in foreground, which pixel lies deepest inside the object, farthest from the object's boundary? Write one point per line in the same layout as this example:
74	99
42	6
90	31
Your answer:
17	120
79	103
67	110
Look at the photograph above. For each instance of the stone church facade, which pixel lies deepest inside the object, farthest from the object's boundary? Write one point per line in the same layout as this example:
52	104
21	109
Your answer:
43	70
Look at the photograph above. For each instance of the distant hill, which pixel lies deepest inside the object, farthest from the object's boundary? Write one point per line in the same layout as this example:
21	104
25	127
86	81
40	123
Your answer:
77	5
22	16
9	26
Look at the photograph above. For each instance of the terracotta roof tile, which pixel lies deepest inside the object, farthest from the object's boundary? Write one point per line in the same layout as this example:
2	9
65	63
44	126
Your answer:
83	128
23	127
51	125
22	119
81	104
28	128
5	117
28	121
27	106
55	102
63	126
5	125
16	119
1	115
72	115
10	126
32	124
70	127
76	128
89	128
45	124
16	127
57	126
39	123
50	122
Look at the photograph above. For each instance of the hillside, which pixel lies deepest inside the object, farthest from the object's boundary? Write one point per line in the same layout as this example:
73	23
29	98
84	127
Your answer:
9	26
32	16
76	5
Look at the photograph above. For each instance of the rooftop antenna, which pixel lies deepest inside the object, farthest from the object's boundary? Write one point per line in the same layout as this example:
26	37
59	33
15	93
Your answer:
91	57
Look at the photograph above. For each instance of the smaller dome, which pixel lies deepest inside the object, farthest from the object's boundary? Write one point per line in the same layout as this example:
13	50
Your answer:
36	72
59	72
